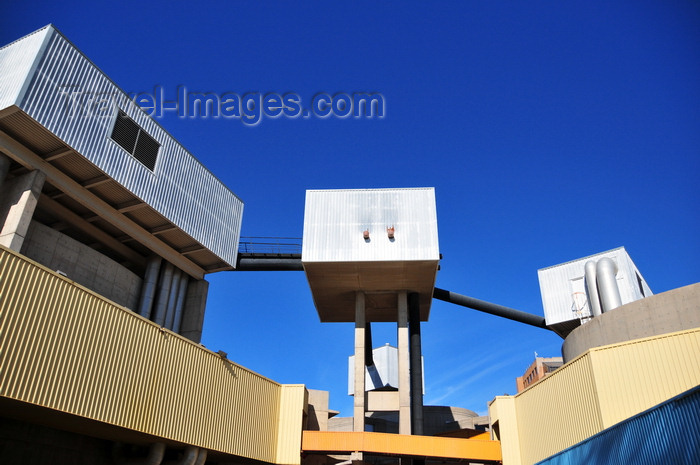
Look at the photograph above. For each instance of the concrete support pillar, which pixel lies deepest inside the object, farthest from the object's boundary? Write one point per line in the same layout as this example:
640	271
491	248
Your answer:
404	366
193	313
172	298
4	167
359	400
416	371
18	199
166	280
181	294
148	288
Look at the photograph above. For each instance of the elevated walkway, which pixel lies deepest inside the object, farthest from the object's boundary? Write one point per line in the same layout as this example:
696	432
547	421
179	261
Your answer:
479	448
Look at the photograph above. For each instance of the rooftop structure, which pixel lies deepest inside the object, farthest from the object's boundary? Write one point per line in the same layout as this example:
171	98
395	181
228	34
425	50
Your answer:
375	241
570	296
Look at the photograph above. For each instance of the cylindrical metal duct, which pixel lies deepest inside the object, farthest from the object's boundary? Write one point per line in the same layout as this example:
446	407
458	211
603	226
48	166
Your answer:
592	288
416	365
181	295
172	298
163	293
148	287
606	270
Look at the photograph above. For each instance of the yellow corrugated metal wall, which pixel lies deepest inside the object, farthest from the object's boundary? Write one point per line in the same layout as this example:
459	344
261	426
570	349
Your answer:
595	391
503	418
67	348
292	399
561	411
636	375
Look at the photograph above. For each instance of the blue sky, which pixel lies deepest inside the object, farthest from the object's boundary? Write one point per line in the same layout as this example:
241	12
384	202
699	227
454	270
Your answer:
550	131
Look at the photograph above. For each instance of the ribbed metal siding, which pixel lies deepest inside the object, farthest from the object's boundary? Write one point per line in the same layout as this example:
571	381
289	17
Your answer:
556	289
668	433
293	399
558	411
180	188
66	348
335	219
637	375
16	62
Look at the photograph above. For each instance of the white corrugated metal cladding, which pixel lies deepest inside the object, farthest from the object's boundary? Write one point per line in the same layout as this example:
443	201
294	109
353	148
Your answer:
334	221
49	70
560	284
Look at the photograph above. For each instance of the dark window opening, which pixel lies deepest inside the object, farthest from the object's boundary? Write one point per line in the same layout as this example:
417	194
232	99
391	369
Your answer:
135	140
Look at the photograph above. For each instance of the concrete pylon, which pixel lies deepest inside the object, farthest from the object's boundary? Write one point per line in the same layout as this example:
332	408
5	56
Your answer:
359	400
404	366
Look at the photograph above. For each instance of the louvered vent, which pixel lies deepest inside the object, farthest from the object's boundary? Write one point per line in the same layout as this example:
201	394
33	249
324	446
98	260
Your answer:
135	140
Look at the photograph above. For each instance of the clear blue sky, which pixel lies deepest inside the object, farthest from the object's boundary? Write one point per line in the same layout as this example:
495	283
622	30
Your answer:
550	130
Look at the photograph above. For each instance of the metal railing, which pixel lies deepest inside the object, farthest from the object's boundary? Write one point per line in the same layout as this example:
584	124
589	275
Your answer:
262	245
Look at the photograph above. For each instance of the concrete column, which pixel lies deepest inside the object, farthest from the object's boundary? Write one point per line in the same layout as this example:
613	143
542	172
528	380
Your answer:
193	313
172	299
416	371
18	199
4	167
148	288
359	401
166	280
404	366
181	294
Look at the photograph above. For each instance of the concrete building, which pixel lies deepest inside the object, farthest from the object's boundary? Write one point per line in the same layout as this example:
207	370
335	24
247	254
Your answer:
540	367
108	227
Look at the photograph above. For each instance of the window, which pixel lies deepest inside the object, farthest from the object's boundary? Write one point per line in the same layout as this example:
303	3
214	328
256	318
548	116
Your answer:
135	140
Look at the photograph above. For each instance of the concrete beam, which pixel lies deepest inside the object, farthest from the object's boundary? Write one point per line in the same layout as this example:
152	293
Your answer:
19	198
76	221
56	177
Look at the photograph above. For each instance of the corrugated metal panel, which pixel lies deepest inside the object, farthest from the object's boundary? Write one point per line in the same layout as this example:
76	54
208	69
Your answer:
558	411
558	284
335	219
636	375
668	433
17	61
293	400
180	187
598	389
504	428
66	348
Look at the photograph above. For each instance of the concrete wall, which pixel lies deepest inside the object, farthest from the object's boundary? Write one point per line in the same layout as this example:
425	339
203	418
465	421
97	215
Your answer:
663	313
82	264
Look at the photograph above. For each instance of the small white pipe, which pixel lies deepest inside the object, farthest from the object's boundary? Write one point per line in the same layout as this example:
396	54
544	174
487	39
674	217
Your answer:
592	289
606	270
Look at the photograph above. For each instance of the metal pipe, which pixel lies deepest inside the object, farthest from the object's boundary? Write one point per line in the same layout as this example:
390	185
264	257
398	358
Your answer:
163	293
592	288
172	298
606	270
155	455
269	264
488	307
148	287
181	295
416	364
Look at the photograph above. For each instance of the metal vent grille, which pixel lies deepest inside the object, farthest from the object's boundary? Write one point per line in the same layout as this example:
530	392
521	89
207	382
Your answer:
135	140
